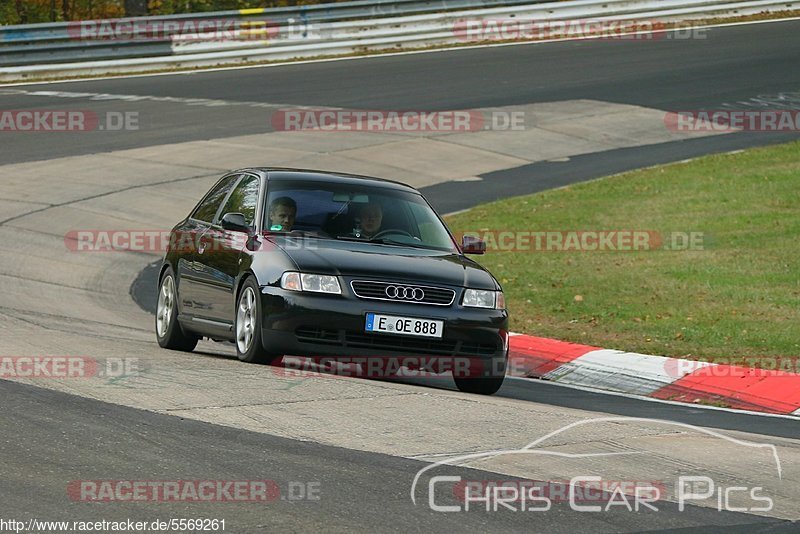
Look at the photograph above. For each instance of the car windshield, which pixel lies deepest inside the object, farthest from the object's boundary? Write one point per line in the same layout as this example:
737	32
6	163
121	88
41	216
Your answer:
353	212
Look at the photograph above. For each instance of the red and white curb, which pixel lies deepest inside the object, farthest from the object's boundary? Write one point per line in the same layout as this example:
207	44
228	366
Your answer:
742	388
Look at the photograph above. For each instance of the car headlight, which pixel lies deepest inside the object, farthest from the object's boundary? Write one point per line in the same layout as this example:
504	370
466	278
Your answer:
480	298
317	283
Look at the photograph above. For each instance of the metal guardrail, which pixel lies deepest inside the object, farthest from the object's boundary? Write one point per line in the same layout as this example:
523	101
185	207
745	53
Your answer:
62	42
324	29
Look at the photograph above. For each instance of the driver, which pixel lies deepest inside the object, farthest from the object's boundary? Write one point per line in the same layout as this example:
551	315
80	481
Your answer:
371	216
282	212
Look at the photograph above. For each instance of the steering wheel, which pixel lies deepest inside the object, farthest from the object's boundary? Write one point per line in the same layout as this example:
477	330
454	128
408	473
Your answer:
392	231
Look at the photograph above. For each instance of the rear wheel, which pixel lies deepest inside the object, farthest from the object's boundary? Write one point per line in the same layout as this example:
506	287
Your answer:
169	333
249	343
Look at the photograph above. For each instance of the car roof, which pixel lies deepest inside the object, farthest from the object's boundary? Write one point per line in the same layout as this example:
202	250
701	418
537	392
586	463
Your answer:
281	173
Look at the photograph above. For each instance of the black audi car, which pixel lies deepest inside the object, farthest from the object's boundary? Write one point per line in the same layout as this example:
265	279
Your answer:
310	263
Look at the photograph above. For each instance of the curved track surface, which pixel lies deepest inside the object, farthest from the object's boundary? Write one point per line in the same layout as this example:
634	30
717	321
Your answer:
728	66
207	416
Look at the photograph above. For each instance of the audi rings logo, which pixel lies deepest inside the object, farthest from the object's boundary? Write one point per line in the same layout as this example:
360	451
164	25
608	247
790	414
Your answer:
405	293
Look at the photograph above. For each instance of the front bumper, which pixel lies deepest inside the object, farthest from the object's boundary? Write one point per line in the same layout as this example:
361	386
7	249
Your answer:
313	325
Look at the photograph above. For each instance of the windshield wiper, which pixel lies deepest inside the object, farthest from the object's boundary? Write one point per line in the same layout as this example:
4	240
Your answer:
385	241
302	233
352	238
366	240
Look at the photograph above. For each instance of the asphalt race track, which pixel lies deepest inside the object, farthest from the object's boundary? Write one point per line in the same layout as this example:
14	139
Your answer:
364	489
206	416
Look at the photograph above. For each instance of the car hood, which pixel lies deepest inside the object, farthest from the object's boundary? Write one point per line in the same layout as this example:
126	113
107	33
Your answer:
373	261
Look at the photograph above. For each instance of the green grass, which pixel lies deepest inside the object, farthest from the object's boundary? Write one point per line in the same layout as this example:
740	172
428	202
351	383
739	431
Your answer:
737	297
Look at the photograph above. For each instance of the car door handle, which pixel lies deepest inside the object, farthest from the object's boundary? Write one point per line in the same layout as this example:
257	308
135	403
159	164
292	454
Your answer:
202	244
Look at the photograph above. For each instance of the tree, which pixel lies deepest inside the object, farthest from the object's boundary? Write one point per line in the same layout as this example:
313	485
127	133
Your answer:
135	8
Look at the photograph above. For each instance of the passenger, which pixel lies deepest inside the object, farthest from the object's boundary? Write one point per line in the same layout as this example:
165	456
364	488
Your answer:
371	216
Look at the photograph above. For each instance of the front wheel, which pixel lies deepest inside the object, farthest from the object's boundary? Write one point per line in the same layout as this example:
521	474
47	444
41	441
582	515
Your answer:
169	333
481	386
482	381
249	344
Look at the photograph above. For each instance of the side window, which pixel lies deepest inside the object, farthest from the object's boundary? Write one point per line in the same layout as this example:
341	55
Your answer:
208	207
244	199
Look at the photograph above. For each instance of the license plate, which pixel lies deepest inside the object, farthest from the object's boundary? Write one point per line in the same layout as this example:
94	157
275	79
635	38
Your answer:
407	326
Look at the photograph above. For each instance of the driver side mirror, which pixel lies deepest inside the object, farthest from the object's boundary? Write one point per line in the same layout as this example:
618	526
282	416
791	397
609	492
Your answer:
473	245
234	222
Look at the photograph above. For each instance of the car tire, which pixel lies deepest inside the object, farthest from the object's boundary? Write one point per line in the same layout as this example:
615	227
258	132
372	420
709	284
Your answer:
247	325
169	333
485	383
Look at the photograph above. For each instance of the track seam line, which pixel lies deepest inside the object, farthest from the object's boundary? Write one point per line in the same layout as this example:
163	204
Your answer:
3	199
10	312
116	155
443	139
78	208
105	194
169	410
18	277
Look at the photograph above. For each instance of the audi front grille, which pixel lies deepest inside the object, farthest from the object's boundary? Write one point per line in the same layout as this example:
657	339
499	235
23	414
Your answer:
398	292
